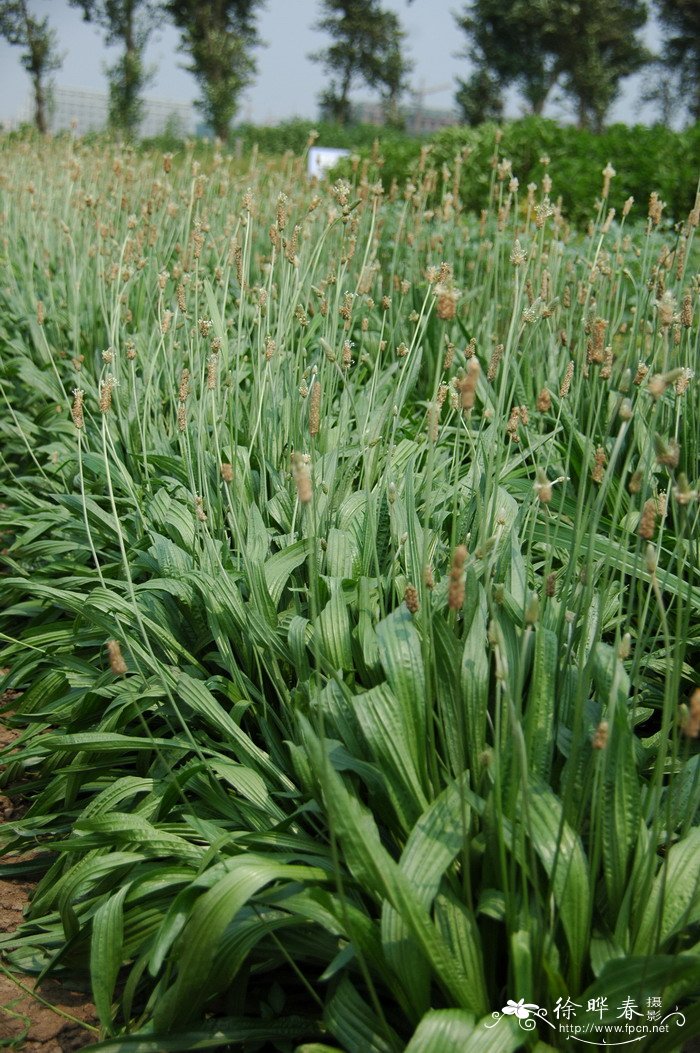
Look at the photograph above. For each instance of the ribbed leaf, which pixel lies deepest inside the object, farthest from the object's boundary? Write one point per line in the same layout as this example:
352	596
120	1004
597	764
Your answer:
351	1020
540	720
204	929
402	660
562	856
106	953
213	1034
452	1030
279	567
334	631
674	902
474	676
372	865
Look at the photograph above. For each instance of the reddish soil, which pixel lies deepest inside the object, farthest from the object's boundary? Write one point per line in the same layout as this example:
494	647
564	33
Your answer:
52	1024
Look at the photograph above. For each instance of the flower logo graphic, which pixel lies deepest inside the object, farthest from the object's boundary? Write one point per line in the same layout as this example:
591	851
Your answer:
521	1009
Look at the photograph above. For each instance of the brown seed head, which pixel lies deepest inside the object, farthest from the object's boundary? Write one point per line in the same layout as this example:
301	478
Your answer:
410	597
77	408
657	385
566	382
683	380
446	302
667	453
315	409
599	465
635	483
455	599
116	659
496	356
647	520
106	389
691	724
656	207
282	202
544	401
302	478
600	736
212	372
687	311
468	384
542	487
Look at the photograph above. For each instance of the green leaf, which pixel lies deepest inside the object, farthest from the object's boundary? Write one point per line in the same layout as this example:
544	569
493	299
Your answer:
639	979
540	715
474	676
106	953
402	661
199	699
562	856
674	903
334	631
198	945
373	867
214	1034
351	1020
391	738
622	805
279	567
450	1030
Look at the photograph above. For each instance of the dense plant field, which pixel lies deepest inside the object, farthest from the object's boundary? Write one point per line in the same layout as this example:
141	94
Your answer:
351	585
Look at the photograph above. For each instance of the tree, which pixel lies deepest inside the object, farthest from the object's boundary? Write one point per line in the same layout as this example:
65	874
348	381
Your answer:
40	56
128	23
599	49
367	46
219	37
509	44
680	57
585	47
480	98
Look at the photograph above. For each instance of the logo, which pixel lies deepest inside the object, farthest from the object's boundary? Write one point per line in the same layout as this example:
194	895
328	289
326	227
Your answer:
598	1024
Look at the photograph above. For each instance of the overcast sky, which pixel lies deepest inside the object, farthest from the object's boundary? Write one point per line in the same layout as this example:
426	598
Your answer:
287	84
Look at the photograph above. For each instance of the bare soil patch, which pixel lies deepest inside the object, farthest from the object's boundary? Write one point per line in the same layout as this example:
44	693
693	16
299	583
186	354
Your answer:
48	1020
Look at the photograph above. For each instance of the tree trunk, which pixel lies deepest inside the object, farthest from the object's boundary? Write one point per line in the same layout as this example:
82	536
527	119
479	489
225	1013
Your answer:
40	103
343	101
131	65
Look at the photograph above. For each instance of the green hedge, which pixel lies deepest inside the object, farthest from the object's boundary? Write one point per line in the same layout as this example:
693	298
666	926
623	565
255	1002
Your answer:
645	159
293	135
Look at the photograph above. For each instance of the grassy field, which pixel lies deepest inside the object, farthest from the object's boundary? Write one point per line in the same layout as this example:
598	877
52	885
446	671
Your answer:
350	580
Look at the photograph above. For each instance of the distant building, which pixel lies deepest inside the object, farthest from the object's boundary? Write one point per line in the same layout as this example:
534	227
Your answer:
88	110
419	120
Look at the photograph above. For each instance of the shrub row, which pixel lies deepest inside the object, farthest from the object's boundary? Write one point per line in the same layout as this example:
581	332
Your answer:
644	158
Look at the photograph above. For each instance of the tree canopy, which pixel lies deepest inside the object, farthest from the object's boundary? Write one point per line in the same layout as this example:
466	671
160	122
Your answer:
40	55
129	24
680	56
219	38
368	47
583	47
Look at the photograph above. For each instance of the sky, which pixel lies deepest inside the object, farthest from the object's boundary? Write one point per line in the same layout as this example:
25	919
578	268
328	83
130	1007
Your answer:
288	83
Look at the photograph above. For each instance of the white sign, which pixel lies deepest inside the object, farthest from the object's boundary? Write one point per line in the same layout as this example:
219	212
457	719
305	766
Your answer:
321	159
